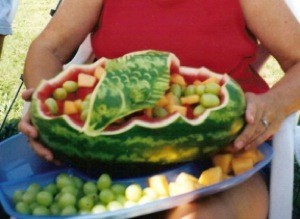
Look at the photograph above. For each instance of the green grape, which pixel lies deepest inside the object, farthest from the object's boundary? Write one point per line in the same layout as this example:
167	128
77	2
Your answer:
176	90
33	205
121	199
51	187
133	192
44	198
70	86
64	180
54	209
89	188
114	205
83	115
106	196
85	203
41	211
209	100
29	197
189	90
129	204
97	209
70	189
104	181
88	97
78	181
66	199
60	94
118	189
34	187
23	208
198	110
51	106
68	210
85	105
17	196
159	112
148	191
146	199
199	89
212	88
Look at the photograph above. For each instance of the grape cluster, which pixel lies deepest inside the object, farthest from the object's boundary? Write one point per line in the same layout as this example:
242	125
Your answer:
70	195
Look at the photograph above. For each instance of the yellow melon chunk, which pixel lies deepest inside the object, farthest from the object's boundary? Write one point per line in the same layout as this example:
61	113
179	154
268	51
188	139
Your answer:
211	80
192	99
160	184
211	176
177	188
78	104
178	79
85	80
182	177
223	161
176	108
197	82
99	72
149	112
162	102
241	165
254	154
70	108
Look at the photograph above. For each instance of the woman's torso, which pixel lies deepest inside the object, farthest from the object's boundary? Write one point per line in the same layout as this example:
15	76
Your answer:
200	33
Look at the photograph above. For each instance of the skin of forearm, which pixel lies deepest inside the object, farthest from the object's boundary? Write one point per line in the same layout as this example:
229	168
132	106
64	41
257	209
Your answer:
286	92
41	63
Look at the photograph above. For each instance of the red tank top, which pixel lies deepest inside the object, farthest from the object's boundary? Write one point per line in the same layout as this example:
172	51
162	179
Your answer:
200	33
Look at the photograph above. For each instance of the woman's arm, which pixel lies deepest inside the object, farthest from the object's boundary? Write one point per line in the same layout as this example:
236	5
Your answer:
54	46
278	30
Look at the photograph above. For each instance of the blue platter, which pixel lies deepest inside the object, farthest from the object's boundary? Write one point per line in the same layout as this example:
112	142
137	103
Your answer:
19	167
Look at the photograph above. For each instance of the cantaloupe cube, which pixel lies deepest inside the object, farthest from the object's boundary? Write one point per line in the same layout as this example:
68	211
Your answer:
197	82
178	79
85	80
99	72
162	102
70	107
211	176
148	112
78	104
254	154
176	108
211	80
192	99
241	165
223	161
160	184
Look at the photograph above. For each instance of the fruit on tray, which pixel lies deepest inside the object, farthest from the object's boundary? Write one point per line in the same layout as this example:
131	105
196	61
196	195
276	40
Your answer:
140	108
69	194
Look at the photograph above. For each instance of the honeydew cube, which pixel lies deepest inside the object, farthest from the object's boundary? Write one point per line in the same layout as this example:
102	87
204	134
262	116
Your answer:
223	161
85	80
211	176
159	183
70	108
175	108
99	72
192	99
178	79
182	177
241	165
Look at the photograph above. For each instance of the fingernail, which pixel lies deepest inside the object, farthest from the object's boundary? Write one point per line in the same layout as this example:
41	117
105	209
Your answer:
239	144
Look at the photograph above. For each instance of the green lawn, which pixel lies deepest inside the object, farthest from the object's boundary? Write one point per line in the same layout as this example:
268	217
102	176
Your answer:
31	18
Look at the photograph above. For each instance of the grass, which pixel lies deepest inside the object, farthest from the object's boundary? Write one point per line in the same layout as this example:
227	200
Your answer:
31	18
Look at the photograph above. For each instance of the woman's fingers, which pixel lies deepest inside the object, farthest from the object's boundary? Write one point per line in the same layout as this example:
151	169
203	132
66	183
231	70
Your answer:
26	128
26	95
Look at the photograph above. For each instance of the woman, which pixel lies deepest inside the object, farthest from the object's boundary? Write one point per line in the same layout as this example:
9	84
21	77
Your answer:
219	34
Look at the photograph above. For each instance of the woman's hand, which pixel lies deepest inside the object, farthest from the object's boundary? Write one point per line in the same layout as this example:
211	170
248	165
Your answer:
263	118
29	130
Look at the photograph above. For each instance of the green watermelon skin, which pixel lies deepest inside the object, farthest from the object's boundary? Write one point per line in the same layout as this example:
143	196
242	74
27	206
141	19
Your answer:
176	142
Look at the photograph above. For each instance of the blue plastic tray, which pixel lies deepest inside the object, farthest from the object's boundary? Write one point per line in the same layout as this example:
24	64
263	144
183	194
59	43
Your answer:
21	167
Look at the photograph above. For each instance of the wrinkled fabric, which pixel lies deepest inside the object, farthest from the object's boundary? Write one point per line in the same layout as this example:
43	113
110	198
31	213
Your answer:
5	20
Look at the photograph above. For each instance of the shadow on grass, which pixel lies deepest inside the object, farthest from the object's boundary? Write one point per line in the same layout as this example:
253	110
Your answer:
9	129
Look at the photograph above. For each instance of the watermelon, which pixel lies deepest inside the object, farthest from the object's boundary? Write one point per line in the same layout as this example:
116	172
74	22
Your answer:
140	108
